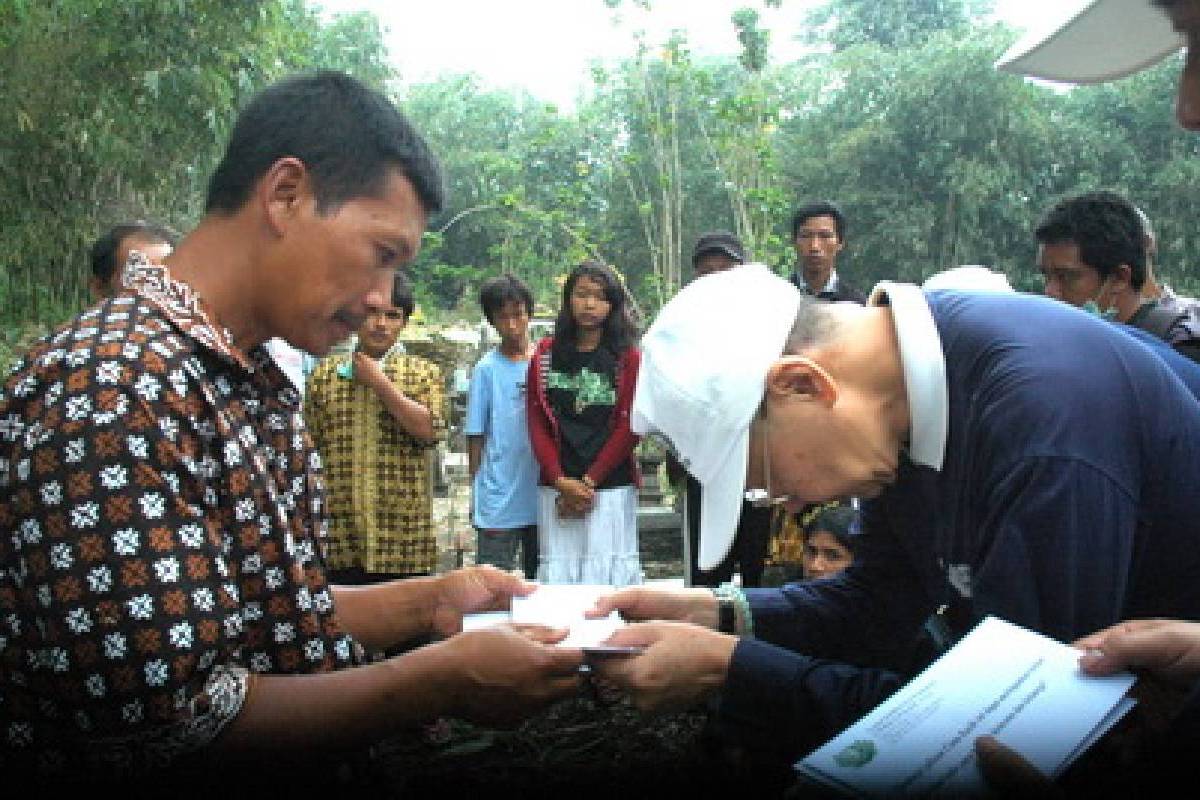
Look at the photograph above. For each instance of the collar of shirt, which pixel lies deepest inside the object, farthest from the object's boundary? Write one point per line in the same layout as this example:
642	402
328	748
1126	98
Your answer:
186	311
924	369
831	285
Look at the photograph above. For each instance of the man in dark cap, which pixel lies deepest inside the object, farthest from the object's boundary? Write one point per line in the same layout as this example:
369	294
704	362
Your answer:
717	251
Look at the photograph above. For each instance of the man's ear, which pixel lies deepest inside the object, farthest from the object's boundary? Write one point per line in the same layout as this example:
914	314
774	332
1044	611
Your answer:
803	379
282	190
98	289
1122	275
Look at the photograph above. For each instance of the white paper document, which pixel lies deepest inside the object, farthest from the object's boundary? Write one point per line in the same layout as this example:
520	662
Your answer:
558	606
1000	679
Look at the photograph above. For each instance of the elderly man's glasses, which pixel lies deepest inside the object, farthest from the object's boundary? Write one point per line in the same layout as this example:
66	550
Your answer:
762	498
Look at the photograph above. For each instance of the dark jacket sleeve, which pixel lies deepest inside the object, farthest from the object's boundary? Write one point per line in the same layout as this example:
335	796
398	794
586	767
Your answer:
783	703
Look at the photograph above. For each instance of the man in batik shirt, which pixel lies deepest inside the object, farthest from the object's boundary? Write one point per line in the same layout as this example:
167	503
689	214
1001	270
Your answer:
162	587
374	415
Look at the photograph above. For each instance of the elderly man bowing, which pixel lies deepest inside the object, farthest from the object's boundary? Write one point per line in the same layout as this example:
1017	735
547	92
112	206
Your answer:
1048	484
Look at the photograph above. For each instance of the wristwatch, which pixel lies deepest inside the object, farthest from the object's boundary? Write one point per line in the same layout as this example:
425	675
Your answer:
726	614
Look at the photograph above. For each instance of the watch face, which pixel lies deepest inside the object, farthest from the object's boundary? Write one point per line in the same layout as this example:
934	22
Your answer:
725	614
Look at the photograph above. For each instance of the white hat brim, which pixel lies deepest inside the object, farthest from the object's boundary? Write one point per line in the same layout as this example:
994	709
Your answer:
1101	41
721	504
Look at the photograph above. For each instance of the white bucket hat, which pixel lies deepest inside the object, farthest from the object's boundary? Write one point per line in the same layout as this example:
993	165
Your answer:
1093	41
701	381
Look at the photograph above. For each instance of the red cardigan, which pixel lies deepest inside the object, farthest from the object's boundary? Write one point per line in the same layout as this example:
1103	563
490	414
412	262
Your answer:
543	426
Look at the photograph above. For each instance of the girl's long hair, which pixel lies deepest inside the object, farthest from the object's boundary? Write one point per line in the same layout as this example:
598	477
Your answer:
621	324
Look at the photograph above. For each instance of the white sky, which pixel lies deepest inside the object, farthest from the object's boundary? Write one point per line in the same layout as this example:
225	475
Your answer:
546	46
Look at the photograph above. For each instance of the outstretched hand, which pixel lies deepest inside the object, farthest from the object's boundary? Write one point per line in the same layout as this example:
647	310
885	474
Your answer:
697	606
472	590
681	664
508	672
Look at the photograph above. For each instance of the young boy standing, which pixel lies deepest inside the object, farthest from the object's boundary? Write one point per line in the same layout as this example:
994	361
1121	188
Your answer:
374	415
503	470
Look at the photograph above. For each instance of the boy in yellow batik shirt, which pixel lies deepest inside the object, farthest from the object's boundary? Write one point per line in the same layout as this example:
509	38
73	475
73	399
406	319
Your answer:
374	415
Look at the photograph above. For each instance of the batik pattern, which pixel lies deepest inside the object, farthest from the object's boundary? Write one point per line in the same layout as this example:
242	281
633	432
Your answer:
378	475
161	506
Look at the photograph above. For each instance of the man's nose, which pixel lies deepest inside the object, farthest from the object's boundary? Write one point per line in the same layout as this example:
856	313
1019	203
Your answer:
380	291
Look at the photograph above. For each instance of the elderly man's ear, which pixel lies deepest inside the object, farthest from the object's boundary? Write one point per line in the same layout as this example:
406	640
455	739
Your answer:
802	378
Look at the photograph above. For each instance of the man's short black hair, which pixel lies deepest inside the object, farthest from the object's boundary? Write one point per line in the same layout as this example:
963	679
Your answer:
402	294
1106	229
104	250
347	134
821	208
507	288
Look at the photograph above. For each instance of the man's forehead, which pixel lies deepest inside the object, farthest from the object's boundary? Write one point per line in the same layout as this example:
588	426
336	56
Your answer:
822	221
135	241
1065	253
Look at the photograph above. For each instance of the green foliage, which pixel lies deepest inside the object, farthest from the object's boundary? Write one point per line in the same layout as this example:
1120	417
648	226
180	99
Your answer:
141	98
753	39
897	114
890	23
521	181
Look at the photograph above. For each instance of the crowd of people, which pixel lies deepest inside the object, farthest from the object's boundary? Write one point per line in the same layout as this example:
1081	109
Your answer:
204	563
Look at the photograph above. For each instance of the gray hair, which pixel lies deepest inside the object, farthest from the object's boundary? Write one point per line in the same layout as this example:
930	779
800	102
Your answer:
814	325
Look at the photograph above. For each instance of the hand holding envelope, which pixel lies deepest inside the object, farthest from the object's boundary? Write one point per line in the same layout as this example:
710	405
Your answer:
1000	680
562	606
680	665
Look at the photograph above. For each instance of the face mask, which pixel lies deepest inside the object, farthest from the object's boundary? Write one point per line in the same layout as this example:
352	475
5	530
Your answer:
1093	306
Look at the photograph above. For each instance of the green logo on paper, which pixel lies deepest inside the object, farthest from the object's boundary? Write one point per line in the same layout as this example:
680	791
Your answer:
858	754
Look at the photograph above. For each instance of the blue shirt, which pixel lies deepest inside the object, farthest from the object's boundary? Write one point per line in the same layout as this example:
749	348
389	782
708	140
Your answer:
1067	500
505	488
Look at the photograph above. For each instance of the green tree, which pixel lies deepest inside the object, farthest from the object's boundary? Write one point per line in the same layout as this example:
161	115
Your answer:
521	188
937	159
143	95
889	23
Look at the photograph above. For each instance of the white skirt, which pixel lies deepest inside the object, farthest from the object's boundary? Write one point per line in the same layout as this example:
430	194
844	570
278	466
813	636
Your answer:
600	547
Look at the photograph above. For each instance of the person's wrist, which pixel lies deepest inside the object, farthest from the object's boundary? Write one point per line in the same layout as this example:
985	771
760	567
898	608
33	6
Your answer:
587	481
436	601
448	675
704	609
720	657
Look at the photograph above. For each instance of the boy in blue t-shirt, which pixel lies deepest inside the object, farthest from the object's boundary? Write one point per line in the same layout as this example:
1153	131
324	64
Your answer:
504	473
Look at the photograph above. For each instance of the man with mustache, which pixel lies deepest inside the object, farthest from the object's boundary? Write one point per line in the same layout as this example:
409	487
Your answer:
166	616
